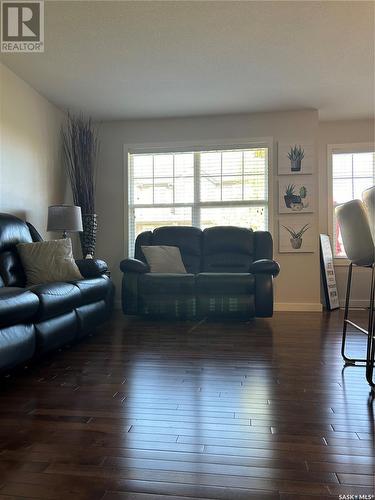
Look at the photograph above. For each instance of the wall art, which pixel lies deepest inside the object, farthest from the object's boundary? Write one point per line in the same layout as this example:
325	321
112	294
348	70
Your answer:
296	195
295	159
297	235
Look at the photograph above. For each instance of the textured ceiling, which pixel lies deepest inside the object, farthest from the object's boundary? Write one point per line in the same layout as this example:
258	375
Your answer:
123	59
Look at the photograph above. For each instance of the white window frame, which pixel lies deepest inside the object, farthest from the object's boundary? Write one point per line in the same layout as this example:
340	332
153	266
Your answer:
189	146
349	148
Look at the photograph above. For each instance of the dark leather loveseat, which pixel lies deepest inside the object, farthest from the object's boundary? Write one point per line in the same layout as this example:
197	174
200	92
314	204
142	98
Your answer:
37	319
230	272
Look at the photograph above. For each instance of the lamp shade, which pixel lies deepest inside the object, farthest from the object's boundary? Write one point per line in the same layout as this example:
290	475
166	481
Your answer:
65	218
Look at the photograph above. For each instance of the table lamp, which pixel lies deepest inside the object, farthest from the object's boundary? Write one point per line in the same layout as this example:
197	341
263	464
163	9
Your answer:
65	218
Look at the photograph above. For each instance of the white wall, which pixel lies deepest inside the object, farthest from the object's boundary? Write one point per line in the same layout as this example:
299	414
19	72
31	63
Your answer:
342	132
31	177
298	285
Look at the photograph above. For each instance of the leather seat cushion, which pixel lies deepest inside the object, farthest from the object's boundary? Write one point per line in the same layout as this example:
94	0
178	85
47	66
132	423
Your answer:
55	332
225	283
56	299
170	284
90	316
16	305
93	289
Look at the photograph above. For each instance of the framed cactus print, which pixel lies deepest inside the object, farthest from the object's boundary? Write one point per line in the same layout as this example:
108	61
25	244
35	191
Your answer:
295	158
297	235
296	195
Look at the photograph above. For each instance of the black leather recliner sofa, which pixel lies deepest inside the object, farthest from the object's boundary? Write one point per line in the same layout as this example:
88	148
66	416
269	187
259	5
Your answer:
37	319
230	272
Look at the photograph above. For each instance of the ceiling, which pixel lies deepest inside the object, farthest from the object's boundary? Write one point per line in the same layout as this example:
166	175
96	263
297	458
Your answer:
136	59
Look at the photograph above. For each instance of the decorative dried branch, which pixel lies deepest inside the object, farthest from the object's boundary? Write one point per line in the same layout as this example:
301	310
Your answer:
80	148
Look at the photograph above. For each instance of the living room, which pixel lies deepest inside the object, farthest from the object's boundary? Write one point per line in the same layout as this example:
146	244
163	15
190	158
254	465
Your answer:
240	126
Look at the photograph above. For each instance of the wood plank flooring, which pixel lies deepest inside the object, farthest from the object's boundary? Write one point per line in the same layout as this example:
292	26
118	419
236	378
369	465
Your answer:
155	410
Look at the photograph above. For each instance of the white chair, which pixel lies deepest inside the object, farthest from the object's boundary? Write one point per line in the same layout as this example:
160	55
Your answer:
359	247
368	198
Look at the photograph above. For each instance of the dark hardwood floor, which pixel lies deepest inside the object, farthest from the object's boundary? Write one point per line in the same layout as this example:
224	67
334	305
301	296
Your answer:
154	410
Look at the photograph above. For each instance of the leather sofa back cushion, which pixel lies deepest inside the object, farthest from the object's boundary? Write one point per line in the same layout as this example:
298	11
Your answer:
164	259
227	249
11	270
12	232
48	261
188	239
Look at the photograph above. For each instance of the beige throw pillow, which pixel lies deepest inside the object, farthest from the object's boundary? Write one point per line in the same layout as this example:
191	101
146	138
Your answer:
164	259
48	261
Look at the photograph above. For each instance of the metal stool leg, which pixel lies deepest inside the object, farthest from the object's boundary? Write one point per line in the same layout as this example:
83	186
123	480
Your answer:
371	338
371	359
371	335
371	313
370	365
346	313
353	361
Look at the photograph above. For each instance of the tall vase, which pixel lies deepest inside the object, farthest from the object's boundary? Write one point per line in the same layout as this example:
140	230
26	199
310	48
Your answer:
88	235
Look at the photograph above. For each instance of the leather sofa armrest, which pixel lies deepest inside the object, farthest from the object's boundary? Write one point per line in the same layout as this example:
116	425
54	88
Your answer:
265	266
92	268
133	266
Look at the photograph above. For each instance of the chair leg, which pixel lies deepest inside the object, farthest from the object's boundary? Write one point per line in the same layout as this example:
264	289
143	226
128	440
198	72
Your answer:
371	335
353	361
370	354
370	365
371	313
346	313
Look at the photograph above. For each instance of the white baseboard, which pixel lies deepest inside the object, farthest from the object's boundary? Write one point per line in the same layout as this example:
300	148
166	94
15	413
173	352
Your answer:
298	306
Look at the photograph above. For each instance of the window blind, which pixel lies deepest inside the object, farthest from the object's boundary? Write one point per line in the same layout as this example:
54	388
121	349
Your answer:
200	188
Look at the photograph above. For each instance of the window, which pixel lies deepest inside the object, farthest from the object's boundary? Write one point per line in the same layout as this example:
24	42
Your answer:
353	171
199	188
